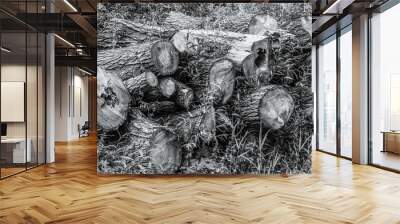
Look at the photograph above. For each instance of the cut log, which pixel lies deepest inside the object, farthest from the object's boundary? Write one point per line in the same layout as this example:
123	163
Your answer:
193	126
125	32
257	67
222	81
206	45
260	24
165	152
182	94
233	46
128	61
271	106
165	57
138	85
112	101
167	87
158	107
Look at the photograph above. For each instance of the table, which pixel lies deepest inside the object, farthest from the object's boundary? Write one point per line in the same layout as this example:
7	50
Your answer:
391	141
13	150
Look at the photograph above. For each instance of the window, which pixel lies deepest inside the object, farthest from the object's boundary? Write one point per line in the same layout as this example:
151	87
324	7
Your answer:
385	89
327	96
346	92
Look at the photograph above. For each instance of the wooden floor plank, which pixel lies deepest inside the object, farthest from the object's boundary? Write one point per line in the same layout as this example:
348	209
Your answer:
70	191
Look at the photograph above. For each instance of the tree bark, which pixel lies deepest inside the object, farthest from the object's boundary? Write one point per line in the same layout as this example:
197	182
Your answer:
184	95
138	85
222	81
181	93
126	32
271	106
193	126
112	101
129	61
158	107
234	46
165	57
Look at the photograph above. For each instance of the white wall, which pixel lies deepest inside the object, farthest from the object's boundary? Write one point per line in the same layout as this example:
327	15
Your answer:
70	83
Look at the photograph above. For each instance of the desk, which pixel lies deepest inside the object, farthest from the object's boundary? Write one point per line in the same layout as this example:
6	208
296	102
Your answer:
391	141
13	150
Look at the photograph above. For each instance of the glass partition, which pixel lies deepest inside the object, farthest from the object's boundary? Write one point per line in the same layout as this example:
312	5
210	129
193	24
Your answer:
22	101
327	95
14	155
346	92
385	89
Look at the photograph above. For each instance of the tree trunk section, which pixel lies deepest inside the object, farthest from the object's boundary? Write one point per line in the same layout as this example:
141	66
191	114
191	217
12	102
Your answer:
222	81
129	61
167	87
193	126
112	101
181	93
126	32
271	106
165	152
257	67
165	57
234	46
158	107
138	85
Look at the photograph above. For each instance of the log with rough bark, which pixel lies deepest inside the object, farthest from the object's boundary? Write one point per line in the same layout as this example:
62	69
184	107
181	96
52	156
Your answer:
271	106
222	81
233	46
112	101
125	32
165	152
260	24
209	45
192	126
165	57
257	67
157	107
182	94
138	85
128	61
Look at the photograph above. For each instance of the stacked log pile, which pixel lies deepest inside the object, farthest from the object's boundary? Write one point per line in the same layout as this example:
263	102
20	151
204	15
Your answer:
177	94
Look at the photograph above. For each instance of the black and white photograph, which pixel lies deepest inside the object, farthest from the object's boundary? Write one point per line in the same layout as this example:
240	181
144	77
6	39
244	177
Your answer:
204	88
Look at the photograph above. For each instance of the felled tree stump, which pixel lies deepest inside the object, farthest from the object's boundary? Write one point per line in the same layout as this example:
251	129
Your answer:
112	101
222	81
260	24
165	152
165	57
270	106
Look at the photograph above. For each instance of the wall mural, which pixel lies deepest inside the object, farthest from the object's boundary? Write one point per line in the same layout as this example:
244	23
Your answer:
204	88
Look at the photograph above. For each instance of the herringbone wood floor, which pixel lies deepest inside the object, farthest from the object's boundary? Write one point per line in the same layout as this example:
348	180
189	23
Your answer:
70	191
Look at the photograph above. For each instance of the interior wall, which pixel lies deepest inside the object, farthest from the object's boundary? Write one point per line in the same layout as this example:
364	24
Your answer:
71	102
16	73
